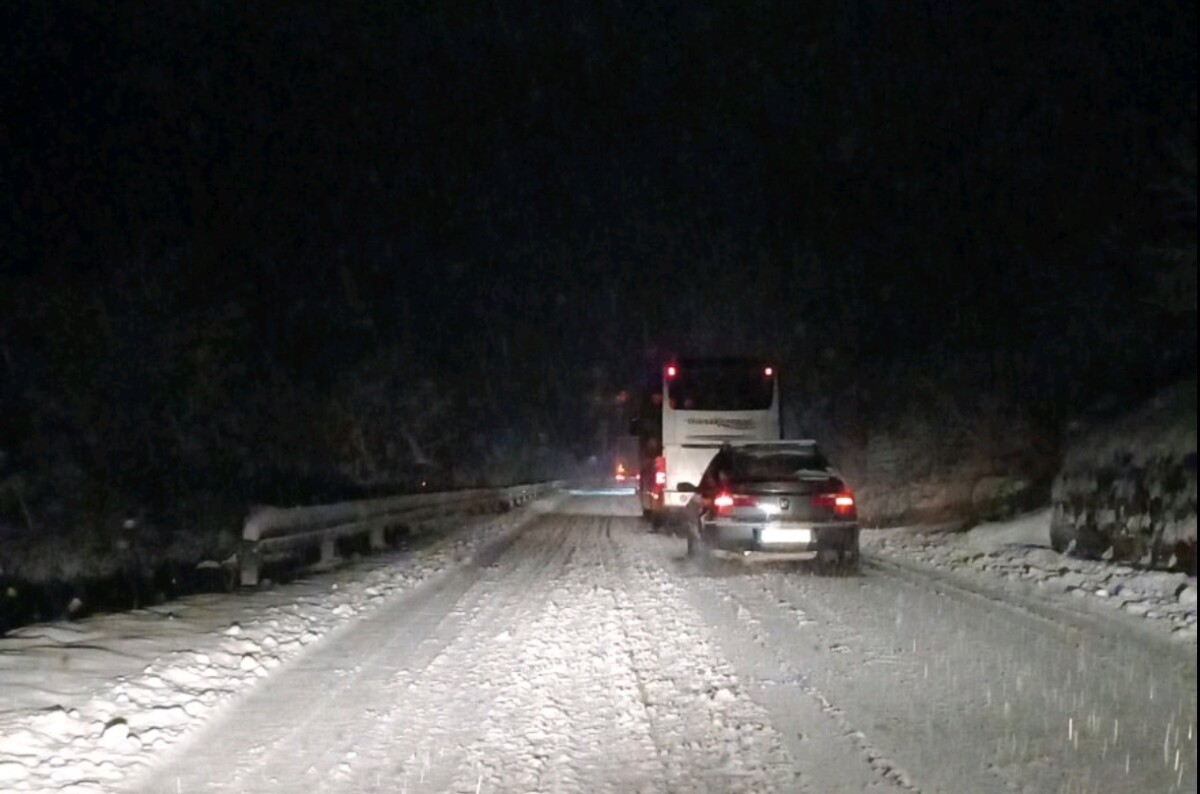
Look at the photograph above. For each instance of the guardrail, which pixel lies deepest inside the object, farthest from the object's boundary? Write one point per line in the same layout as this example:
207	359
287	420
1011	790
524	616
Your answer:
279	532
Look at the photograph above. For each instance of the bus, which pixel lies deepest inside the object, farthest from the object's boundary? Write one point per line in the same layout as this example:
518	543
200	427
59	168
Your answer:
689	409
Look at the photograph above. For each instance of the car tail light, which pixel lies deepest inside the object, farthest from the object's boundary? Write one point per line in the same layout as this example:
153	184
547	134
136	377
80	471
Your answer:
725	502
769	372
672	370
842	503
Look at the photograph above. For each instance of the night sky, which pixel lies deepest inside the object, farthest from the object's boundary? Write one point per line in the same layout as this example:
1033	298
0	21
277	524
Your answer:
243	242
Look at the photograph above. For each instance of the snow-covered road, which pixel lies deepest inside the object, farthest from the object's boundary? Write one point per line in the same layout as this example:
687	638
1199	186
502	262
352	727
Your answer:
577	653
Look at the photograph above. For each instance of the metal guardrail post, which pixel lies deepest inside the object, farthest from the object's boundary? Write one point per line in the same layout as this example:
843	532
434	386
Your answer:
249	561
377	540
328	549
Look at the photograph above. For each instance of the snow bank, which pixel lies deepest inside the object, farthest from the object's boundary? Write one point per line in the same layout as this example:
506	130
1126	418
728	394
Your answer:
1031	529
87	703
1016	555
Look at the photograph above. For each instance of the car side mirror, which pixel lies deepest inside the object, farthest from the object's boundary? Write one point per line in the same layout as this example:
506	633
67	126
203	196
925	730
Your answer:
685	487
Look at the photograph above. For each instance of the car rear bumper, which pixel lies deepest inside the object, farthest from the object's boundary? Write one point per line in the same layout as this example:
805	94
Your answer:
779	538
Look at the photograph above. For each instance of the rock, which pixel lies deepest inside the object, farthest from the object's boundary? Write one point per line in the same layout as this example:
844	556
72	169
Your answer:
1187	596
115	734
1157	584
723	695
1071	580
1047	559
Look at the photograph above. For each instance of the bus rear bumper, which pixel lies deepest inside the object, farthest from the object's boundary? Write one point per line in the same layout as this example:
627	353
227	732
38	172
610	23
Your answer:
675	500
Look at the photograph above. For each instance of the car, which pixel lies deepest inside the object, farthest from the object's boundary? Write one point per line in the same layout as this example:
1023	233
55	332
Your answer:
780	500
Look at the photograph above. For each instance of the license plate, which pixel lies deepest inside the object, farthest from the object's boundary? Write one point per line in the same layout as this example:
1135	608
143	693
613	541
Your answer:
775	535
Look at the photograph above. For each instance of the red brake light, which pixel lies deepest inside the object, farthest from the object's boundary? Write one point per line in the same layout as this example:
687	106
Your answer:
660	473
769	372
724	502
842	503
672	370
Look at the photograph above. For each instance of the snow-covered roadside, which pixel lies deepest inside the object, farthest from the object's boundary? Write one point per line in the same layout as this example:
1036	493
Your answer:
82	704
1018	553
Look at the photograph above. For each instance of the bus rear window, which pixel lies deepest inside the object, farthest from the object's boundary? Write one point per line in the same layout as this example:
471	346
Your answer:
717	388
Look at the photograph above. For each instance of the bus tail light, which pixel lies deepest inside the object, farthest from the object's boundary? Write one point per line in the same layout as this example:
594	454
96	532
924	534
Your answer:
660	473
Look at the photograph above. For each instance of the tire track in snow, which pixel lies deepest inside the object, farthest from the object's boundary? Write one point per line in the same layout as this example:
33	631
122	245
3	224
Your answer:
975	695
439	717
566	718
297	724
753	623
711	735
414	737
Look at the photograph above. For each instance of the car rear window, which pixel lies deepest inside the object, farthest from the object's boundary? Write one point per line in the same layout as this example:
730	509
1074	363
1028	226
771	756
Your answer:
780	466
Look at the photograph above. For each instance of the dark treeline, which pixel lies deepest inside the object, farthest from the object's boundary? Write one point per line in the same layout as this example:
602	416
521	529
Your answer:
280	251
